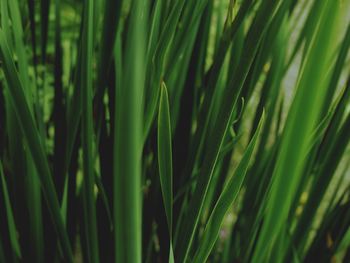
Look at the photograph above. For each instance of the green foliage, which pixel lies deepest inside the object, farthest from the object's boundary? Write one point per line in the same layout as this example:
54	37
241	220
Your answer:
174	131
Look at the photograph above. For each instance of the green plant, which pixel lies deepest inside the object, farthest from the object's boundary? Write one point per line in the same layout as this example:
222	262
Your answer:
174	131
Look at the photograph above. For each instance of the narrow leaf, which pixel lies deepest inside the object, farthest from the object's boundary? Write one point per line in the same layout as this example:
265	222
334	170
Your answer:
165	154
10	219
227	197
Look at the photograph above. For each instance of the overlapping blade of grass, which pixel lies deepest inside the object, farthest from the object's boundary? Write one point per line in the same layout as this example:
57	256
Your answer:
112	12
187	230
191	16
34	142
4	11
165	154
31	184
333	230
323	174
328	168
231	138
74	106
184	101
128	140
340	182
300	122
102	192
17	155
73	114
111	20
335	122
156	65
87	131
345	241
10	219
34	197
224	203
259	176
165	160
155	27
87	46
308	27
203	106
16	32
339	65
211	79
270	92
19	47
179	73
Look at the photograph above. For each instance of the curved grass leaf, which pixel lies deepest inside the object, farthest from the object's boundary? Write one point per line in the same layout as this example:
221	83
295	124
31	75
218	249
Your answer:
300	122
165	154
83	109
156	64
32	194
264	17
165	160
227	197
34	142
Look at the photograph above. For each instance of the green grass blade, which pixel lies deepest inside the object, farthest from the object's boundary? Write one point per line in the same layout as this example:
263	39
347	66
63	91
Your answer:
156	64
102	192
165	160
87	134
318	190
10	219
30	132
212	79
227	197
111	21
5	21
255	34
31	184
128	141
155	27
299	125
104	162
165	154
339	65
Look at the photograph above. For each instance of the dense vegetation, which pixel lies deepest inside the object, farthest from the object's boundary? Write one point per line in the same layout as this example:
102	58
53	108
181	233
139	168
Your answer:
174	131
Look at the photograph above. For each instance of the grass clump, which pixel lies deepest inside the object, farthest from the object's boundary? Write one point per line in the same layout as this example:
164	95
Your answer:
174	131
